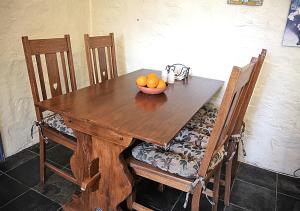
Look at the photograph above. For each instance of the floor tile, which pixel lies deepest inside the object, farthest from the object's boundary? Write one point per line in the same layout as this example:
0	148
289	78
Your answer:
9	189
58	189
60	155
149	196
289	185
16	160
31	200
232	207
204	204
252	197
257	176
28	173
286	203
36	148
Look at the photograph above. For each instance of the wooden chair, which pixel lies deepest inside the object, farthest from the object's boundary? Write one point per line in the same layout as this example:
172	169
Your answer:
209	170
230	165
102	47
58	81
231	161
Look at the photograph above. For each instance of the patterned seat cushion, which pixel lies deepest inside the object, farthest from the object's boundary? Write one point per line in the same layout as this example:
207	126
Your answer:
182	162
56	122
199	128
184	154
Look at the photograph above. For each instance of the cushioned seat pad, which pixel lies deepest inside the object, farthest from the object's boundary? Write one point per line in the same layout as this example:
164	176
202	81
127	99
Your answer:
185	152
56	122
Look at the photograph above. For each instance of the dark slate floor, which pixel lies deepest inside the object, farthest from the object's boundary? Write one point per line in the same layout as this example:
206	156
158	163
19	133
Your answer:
253	188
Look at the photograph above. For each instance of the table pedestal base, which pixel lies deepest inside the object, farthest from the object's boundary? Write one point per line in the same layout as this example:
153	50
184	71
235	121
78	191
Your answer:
115	183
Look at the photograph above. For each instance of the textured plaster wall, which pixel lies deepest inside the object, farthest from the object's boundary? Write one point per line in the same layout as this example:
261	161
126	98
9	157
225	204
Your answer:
36	19
211	36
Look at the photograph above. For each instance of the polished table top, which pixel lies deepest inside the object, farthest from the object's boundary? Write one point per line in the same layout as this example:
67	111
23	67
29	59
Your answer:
117	105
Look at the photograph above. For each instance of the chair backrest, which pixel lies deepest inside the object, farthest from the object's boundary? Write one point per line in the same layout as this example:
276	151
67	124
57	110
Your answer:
250	89
102	47
52	74
234	104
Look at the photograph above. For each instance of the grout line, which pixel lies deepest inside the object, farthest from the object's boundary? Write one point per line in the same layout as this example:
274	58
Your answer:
14	198
176	201
46	196
16	180
27	149
232	186
243	208
20	164
294	197
254	184
57	165
55	145
65	167
267	169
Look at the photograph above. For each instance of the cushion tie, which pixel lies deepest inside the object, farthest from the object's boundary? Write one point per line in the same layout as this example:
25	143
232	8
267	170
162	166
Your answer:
239	138
39	125
200	180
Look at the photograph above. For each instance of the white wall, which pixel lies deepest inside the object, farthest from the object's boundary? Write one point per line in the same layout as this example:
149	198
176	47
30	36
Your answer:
36	19
211	36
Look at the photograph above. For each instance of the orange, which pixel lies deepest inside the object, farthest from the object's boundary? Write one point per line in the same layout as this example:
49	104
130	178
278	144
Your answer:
161	84
152	75
152	82
141	81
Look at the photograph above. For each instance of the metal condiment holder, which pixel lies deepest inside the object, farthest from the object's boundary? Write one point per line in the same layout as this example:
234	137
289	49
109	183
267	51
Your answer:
181	71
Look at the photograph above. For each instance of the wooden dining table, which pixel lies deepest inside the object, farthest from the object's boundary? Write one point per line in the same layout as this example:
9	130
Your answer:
108	117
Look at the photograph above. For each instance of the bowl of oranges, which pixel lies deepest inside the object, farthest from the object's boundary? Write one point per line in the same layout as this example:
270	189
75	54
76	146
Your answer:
151	84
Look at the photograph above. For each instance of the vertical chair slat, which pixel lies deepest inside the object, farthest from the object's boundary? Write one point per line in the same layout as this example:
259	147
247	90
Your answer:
41	76
113	56
95	65
71	64
53	74
102	64
110	62
89	59
62	57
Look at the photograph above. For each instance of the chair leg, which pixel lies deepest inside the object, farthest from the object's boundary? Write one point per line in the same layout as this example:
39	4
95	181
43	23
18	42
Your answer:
196	198
235	163
42	162
161	187
228	173
131	199
216	188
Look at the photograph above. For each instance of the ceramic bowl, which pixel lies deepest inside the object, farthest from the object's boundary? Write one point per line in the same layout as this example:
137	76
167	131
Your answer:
151	91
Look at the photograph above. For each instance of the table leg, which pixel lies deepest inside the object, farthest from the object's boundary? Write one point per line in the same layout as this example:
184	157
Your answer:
115	183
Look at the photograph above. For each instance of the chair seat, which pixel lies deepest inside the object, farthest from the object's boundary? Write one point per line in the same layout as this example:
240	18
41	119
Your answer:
184	154
56	122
